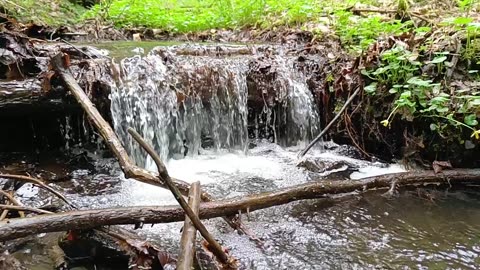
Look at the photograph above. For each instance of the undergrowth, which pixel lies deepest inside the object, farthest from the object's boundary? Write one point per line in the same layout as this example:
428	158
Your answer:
419	80
196	15
44	12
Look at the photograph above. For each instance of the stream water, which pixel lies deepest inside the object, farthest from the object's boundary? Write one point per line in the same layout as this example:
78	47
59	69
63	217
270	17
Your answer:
206	138
369	231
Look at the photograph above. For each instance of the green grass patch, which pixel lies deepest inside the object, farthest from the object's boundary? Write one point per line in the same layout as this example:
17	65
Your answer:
44	12
356	32
197	15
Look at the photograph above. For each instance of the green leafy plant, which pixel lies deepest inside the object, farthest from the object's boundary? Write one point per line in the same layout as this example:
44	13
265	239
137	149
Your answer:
359	32
416	96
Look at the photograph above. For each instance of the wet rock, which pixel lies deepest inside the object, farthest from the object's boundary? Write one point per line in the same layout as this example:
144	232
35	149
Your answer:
319	165
9	262
262	83
312	165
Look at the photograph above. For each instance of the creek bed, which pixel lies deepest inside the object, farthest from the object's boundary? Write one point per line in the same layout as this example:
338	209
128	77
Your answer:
416	229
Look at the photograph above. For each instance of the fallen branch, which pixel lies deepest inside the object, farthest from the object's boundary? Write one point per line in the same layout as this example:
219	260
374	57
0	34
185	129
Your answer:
187	241
128	167
87	219
39	183
312	143
13	201
163	174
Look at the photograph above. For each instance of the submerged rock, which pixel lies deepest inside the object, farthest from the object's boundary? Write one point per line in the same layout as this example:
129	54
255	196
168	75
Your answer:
9	262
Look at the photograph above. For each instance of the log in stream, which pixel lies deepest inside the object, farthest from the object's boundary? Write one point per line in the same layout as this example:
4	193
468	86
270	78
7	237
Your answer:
87	219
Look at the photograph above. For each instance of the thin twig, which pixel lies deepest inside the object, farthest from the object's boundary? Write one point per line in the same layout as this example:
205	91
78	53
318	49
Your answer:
163	173
304	151
13	201
24	208
39	183
454	61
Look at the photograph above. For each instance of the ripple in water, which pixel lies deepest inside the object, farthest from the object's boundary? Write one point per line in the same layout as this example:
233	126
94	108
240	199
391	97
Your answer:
358	232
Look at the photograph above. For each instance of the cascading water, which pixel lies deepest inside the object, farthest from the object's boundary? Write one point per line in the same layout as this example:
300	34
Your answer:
183	104
298	120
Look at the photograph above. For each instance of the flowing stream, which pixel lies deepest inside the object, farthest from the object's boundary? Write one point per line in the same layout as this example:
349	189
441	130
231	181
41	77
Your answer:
194	111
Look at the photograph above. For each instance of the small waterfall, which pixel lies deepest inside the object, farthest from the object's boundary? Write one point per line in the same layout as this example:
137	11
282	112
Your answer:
183	104
298	121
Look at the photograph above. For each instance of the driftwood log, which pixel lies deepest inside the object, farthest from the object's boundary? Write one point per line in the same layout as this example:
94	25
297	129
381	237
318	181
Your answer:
189	234
87	219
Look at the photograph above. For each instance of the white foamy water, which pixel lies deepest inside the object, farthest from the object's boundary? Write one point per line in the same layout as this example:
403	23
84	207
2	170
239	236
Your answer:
265	167
224	174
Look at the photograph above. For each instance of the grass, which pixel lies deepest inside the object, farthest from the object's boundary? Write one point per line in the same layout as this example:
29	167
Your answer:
196	15
183	16
44	12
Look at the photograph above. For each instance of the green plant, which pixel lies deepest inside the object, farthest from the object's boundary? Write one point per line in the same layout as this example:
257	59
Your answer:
466	5
400	72
359	32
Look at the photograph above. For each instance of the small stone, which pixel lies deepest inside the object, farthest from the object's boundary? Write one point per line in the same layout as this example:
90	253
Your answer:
469	145
136	37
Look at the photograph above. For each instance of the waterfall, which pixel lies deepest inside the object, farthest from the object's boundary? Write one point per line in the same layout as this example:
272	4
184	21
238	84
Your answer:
296	121
184	104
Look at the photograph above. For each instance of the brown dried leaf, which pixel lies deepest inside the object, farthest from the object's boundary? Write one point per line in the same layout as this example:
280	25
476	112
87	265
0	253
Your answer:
46	78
